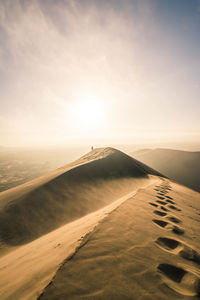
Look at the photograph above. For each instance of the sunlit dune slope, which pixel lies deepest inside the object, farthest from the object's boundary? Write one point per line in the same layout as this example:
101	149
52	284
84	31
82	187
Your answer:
44	204
147	248
125	235
181	166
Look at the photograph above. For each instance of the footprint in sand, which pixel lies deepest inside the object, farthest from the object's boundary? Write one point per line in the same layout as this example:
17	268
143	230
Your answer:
169	197
174	219
174	207
167	244
167	190
168	226
179	248
165	186
170	201
164	208
180	280
161	202
177	230
161	193
160	223
153	204
160	197
160	213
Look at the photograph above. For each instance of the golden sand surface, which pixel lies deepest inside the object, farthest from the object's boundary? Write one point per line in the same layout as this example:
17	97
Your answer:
103	227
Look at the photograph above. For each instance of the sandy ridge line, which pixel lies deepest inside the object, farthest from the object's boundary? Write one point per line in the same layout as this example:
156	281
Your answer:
86	238
45	178
39	267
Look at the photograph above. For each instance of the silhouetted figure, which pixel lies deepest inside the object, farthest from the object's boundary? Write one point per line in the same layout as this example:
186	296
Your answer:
92	148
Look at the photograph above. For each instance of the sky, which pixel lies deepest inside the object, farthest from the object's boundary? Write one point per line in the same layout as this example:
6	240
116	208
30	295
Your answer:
124	71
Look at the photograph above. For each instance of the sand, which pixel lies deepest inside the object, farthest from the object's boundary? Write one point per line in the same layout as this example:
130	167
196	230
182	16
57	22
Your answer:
44	204
141	242
139	251
181	166
25	271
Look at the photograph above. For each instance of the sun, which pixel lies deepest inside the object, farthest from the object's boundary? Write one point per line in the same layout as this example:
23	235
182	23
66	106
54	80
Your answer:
89	112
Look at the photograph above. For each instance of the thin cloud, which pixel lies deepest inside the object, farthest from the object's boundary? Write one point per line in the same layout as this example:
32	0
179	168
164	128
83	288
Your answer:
54	52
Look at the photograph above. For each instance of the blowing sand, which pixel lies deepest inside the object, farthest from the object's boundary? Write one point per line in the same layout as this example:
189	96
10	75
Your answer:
26	271
44	204
139	251
113	229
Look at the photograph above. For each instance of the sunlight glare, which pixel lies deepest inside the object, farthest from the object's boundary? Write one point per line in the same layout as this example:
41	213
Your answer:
89	112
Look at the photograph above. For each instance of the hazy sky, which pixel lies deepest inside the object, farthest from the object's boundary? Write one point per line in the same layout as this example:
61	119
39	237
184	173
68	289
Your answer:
117	70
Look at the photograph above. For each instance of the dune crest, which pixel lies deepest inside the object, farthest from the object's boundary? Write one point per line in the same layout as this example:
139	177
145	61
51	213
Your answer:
38	207
103	227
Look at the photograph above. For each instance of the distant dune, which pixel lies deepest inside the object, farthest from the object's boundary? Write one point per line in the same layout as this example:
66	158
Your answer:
181	166
103	227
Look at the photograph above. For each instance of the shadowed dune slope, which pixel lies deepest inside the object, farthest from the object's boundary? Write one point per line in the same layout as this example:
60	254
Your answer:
44	204
181	166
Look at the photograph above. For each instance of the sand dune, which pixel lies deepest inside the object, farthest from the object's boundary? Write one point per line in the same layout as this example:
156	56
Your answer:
40	206
137	252
39	260
181	166
127	233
